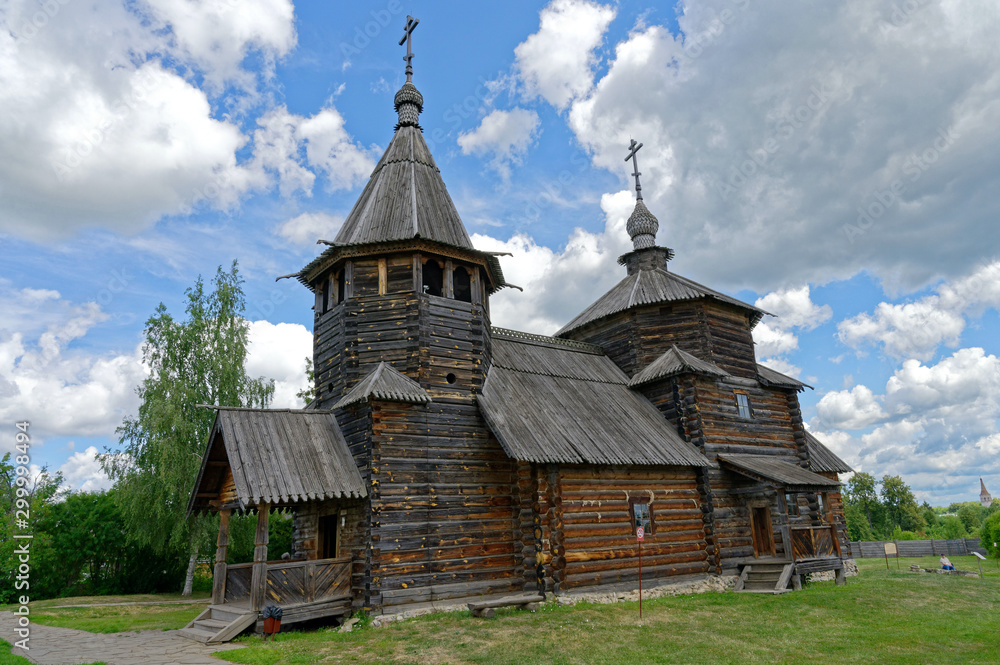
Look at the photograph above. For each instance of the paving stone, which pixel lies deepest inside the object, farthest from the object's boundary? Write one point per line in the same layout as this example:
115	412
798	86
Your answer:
66	646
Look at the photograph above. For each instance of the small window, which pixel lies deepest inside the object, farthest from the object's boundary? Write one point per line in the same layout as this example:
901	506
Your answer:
743	406
641	514
463	284
792	502
433	278
340	287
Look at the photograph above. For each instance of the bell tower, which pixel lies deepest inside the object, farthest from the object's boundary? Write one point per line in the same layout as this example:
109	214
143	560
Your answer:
401	283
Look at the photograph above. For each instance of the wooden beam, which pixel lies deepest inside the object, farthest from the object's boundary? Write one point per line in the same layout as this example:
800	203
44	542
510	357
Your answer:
383	276
221	548
258	580
449	279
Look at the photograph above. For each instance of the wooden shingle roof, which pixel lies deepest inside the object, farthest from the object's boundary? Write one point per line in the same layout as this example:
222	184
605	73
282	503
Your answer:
647	287
771	377
675	361
276	456
822	459
781	471
385	383
405	198
547	400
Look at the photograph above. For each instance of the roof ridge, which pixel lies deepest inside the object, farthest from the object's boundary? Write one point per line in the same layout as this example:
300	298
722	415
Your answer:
546	340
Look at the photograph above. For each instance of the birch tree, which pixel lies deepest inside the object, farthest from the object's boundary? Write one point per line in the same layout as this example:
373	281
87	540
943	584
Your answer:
200	360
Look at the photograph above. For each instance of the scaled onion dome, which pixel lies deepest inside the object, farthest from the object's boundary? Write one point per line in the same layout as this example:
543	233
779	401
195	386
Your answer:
409	103
642	226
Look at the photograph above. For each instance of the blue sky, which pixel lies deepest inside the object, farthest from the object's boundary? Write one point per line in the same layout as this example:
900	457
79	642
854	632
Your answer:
834	163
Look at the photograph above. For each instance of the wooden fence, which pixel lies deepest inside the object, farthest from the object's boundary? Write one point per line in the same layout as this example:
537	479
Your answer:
955	547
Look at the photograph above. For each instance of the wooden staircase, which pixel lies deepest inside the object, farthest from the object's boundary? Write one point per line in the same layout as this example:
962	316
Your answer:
765	577
219	623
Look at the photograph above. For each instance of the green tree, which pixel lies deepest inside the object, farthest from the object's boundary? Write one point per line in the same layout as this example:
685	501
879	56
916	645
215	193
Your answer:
951	528
991	535
858	528
308	394
900	504
201	360
861	491
930	517
87	552
970	516
33	496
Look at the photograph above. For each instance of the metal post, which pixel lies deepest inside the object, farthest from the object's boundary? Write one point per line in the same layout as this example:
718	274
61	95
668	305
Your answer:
640	580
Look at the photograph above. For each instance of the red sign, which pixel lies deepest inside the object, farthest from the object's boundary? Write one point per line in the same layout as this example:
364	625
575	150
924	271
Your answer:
639	533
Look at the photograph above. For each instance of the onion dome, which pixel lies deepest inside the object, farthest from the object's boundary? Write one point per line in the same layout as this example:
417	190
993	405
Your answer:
409	103
642	226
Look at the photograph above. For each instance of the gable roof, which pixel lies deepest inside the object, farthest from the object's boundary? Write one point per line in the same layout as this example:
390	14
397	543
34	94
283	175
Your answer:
647	287
781	471
822	459
675	361
277	456
771	377
405	198
386	383
548	400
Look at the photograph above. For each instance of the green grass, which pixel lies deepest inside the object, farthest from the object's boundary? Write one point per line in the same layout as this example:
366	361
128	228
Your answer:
106	617
8	658
886	617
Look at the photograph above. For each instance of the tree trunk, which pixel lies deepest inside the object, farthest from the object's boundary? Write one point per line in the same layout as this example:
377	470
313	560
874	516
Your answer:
189	578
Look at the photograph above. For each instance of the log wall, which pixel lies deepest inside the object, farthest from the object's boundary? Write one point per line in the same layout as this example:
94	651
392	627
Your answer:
576	529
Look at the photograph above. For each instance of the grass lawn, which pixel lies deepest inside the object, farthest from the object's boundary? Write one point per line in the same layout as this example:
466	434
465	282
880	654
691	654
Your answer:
880	617
106	617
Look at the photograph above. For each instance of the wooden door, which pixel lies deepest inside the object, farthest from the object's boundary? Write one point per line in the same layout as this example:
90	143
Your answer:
763	536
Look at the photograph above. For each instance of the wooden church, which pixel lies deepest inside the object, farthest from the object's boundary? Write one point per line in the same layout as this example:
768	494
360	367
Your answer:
445	459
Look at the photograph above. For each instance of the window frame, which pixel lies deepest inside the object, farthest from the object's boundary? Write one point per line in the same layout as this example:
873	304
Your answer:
740	407
641	501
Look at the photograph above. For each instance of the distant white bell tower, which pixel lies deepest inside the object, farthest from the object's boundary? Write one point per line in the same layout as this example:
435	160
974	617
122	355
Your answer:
984	497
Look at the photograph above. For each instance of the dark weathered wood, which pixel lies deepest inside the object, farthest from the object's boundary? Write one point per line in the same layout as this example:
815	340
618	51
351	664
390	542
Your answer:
258	581
221	548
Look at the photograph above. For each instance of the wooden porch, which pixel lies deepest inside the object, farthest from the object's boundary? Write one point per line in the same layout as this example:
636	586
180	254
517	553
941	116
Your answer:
304	590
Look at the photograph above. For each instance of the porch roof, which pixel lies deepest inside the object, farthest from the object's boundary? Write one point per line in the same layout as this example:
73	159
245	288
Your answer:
782	472
274	456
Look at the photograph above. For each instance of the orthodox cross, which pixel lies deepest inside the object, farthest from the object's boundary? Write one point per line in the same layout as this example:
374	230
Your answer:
634	148
411	24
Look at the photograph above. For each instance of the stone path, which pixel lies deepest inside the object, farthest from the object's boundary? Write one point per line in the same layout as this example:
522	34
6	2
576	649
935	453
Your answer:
66	646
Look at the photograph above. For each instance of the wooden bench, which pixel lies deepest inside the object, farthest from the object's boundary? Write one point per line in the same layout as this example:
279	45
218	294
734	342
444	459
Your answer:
486	609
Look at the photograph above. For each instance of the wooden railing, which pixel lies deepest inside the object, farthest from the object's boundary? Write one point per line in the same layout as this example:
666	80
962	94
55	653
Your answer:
812	542
292	582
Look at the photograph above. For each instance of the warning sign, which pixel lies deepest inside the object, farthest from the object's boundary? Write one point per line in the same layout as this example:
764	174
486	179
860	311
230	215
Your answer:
639	533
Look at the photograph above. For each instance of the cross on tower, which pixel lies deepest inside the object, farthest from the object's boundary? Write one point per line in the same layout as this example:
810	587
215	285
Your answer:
411	24
634	148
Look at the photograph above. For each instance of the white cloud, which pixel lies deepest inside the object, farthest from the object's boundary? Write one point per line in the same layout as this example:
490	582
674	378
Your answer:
82	472
557	62
813	92
772	341
307	228
936	425
285	143
61	390
278	351
108	126
506	135
795	308
849	409
916	329
217	35
559	284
